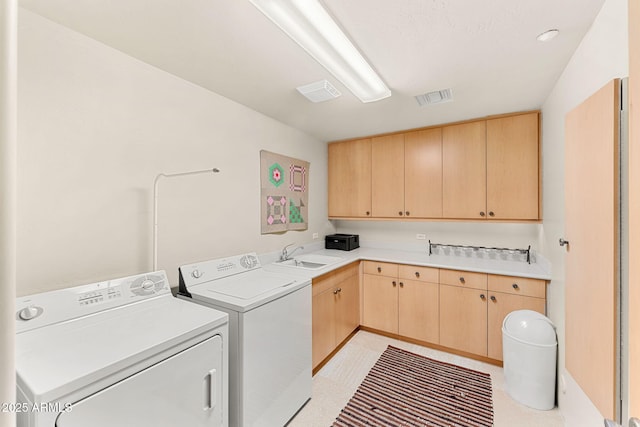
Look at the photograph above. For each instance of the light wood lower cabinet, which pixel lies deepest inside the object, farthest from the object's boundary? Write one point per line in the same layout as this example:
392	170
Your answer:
507	294
381	303
474	305
401	299
335	310
459	310
463	319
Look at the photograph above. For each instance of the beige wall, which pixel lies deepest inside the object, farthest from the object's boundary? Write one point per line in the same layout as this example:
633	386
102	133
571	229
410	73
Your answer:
8	64
601	56
96	126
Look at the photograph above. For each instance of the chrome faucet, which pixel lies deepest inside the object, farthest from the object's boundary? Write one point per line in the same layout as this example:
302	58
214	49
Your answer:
286	254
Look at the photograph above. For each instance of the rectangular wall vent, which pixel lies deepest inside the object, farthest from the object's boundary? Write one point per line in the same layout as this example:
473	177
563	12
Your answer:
435	97
319	91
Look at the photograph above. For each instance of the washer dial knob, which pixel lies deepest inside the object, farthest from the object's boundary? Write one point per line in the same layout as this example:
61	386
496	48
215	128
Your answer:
30	312
196	274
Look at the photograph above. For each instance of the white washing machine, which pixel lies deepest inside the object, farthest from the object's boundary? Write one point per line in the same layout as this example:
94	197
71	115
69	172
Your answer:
269	335
122	353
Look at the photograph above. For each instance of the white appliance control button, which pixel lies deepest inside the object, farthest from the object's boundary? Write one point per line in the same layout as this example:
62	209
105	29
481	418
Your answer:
30	312
196	274
147	284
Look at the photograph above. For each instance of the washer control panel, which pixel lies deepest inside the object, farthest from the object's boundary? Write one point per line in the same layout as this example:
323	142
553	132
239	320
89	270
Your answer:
219	268
34	311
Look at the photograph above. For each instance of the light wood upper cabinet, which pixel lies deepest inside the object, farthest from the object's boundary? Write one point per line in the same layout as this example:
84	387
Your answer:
350	179
423	173
512	167
387	176
485	169
464	171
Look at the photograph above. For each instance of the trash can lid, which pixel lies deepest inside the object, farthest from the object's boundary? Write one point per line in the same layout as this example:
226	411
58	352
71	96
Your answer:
530	327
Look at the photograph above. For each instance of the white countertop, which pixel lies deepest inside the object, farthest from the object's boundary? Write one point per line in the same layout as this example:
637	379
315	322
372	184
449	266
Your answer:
536	270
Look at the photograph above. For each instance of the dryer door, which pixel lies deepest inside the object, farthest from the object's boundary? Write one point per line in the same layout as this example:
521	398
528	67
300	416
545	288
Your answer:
185	389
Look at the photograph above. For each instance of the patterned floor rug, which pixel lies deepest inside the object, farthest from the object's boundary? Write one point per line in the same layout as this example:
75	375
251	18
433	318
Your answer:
409	390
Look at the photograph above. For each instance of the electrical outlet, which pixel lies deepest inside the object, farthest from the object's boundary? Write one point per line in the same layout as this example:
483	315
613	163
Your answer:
421	236
315	235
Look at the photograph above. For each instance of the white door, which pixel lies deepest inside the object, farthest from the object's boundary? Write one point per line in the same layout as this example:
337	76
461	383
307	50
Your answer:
184	390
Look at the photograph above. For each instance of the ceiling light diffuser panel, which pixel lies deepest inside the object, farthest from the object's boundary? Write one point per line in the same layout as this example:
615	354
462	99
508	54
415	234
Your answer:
309	25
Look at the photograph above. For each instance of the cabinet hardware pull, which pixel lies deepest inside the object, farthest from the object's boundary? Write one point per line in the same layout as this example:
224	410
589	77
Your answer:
493	298
394	283
515	286
335	292
481	213
491	213
407	213
461	279
400	213
379	269
368	213
482	296
417	274
401	284
563	242
339	289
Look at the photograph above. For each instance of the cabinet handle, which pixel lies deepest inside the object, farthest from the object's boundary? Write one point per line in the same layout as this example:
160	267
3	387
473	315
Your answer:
337	291
491	213
461	279
368	213
515	286
407	213
481	213
379	269
417	274
400	213
493	298
394	283
401	284
482	297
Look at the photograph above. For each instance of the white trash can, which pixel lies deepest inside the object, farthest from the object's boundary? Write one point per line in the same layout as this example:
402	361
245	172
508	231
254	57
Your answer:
529	350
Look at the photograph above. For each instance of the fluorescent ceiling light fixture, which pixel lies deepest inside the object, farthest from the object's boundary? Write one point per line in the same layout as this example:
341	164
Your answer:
309	25
547	35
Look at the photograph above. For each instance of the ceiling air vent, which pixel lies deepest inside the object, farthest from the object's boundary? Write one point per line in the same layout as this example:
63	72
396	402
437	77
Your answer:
319	91
435	97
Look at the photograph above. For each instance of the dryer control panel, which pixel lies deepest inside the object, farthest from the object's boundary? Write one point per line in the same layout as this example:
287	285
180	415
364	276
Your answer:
38	310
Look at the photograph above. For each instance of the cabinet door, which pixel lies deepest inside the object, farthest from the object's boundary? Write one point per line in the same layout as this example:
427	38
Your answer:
512	167
380	308
418	310
464	171
387	176
323	326
347	308
499	306
423	173
350	178
463	319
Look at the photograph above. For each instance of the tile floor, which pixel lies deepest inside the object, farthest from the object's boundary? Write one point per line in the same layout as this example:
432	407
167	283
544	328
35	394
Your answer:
336	382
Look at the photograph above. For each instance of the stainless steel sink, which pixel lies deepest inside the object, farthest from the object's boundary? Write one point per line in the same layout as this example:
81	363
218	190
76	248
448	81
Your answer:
310	261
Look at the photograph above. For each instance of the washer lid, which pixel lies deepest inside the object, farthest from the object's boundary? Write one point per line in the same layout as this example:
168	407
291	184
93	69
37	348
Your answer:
246	291
59	359
530	327
252	284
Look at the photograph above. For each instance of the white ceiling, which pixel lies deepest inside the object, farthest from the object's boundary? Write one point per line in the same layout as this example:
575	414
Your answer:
486	51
